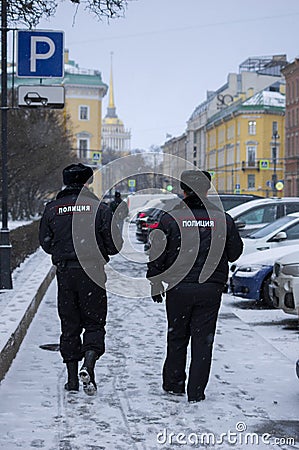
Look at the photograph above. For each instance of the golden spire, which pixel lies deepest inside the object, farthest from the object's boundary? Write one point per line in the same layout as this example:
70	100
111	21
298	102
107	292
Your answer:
111	95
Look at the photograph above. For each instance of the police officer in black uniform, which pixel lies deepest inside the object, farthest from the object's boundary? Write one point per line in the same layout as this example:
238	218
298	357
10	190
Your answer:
77	230
190	251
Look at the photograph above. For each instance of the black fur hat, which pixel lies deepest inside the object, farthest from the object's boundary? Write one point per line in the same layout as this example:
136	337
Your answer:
77	174
197	181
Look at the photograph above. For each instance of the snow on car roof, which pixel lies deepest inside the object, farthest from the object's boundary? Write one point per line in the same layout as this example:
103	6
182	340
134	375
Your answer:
261	201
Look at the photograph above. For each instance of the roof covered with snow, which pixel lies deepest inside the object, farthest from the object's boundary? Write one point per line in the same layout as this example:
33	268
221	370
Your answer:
266	98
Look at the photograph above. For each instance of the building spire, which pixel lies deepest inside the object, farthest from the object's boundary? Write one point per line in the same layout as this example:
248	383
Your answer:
111	110
111	94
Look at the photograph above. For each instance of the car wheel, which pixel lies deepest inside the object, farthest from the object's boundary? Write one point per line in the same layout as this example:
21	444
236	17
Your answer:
265	296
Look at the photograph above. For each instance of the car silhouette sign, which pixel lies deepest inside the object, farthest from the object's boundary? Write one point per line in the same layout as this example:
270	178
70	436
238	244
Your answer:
34	97
41	96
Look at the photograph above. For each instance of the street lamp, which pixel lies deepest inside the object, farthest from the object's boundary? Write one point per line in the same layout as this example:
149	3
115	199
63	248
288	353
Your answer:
275	136
5	247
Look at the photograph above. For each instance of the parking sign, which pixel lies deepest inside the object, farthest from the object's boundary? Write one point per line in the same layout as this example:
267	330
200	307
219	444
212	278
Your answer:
40	54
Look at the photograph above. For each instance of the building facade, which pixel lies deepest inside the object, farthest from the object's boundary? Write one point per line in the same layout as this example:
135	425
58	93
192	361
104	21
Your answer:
84	91
255	74
245	144
291	73
174	160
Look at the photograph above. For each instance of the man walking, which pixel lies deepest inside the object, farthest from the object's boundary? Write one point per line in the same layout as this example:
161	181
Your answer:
76	229
119	209
190	251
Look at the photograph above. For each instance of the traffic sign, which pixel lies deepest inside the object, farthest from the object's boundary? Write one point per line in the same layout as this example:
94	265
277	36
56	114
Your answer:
96	156
237	191
212	173
237	186
279	186
40	54
47	96
269	183
131	183
264	164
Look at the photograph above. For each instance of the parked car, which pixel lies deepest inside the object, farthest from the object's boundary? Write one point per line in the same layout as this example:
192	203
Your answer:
284	286
137	201
251	274
149	219
283	232
251	216
229	201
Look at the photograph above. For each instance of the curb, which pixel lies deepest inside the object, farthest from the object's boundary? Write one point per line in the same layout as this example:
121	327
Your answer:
10	349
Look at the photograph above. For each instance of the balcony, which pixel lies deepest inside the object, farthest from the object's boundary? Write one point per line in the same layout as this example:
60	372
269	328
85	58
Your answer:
251	165
262	164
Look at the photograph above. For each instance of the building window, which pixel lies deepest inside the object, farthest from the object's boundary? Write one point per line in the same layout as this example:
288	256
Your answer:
194	152
84	112
251	181
251	155
83	147
252	127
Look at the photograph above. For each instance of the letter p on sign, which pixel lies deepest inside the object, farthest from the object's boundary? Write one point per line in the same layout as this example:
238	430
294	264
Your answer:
40	54
34	53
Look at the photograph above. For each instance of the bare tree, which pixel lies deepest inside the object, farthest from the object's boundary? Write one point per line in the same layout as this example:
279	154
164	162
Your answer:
29	12
39	147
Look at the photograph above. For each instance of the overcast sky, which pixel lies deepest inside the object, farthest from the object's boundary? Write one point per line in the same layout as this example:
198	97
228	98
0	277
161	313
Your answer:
168	53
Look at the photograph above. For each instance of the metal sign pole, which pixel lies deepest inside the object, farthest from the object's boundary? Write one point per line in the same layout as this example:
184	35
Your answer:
5	247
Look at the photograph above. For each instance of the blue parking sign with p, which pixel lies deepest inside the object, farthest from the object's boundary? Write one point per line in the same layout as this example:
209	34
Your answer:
40	54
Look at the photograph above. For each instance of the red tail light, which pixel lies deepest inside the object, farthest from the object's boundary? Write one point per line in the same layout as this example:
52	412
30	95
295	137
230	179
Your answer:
141	214
152	225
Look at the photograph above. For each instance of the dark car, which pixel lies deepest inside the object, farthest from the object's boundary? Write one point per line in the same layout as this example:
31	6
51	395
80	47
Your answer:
148	219
141	224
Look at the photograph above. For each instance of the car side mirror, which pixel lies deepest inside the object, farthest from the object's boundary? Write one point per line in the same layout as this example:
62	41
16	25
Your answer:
240	224
281	236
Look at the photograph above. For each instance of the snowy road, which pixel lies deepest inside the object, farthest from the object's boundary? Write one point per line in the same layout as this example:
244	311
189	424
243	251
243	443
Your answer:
252	384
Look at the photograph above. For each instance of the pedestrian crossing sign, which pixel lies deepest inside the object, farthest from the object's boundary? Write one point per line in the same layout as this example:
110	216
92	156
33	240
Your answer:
264	164
96	156
131	183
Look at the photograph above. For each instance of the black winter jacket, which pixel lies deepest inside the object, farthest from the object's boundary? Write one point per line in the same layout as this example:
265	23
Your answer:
198	240
77	226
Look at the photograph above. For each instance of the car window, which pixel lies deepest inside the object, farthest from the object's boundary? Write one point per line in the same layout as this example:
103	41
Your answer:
292	207
271	228
259	215
293	231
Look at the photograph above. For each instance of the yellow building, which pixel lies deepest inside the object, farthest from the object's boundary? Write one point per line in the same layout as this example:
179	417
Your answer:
84	91
245	144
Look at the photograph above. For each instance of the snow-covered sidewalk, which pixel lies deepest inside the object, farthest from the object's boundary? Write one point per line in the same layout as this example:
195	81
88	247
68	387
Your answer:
18	306
252	386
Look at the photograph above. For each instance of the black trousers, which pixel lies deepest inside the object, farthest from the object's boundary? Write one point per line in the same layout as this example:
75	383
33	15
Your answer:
82	307
192	311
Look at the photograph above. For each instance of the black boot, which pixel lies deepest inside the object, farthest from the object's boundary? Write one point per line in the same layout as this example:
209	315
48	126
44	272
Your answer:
87	372
72	373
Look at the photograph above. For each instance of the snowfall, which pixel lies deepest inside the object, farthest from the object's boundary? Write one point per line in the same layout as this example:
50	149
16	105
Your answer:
252	399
